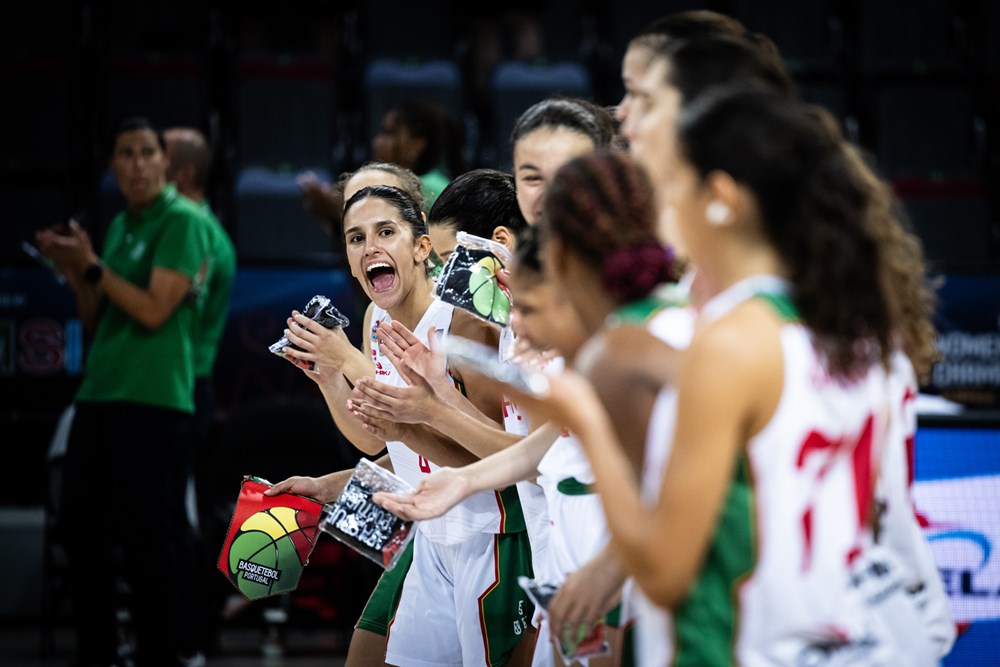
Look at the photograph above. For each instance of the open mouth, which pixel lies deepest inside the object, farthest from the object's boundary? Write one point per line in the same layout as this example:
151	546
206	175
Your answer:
381	276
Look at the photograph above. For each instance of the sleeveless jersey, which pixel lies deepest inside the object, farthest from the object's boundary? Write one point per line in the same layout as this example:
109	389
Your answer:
899	526
674	325
668	316
531	495
485	512
577	527
654	629
772	587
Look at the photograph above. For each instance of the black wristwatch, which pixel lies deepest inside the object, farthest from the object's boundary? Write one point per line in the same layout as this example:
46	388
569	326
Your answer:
92	274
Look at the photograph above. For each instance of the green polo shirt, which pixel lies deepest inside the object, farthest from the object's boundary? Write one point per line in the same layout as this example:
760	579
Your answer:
126	361
215	306
432	183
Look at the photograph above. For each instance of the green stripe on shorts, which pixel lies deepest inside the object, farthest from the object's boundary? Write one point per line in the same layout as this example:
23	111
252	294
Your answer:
381	607
571	486
614	616
504	609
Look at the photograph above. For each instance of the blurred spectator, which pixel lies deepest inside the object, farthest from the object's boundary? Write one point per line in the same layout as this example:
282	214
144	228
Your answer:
512	32
189	160
418	136
128	458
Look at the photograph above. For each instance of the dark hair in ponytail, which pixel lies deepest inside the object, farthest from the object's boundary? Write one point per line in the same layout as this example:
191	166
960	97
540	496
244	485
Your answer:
903	268
600	206
814	209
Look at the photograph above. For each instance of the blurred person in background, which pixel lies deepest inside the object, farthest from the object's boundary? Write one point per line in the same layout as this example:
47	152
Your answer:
418	136
189	161
129	454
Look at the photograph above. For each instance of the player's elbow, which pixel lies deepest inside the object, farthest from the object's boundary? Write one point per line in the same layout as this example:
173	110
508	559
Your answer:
665	593
154	313
369	447
151	320
664	585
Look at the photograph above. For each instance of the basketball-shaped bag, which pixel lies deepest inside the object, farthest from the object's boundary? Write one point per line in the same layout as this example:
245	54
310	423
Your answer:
269	540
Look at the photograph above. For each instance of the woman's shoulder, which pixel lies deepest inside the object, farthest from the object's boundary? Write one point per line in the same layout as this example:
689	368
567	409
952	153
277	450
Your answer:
745	343
629	353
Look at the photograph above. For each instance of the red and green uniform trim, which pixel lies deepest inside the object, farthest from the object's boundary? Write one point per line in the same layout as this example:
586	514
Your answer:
504	605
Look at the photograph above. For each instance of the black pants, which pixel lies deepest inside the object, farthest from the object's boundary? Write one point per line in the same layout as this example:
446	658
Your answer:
126	471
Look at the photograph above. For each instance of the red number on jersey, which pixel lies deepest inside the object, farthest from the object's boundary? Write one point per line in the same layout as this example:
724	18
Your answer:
860	450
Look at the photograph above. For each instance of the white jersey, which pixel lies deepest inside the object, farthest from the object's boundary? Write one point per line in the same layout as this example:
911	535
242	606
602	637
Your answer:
674	326
653	629
482	512
576	530
577	527
899	527
775	585
536	518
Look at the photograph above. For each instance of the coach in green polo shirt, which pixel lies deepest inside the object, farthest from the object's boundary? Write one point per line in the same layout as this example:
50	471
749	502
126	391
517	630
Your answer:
189	159
129	451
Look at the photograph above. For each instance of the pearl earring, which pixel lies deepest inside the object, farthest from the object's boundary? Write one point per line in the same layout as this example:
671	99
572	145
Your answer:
717	213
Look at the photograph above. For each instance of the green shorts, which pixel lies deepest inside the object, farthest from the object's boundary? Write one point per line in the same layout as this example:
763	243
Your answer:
381	607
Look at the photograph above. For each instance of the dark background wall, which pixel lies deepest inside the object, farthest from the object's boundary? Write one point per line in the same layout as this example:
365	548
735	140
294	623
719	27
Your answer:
280	89
287	87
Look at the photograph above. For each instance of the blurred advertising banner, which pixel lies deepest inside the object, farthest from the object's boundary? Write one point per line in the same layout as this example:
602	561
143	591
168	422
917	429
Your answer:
957	493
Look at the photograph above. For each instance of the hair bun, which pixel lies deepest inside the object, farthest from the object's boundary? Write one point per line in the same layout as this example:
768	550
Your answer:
632	272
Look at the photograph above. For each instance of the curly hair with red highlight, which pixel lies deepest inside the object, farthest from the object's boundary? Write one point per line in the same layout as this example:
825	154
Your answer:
600	206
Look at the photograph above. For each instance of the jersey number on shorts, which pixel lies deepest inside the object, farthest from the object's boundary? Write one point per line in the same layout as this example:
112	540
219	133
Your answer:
425	465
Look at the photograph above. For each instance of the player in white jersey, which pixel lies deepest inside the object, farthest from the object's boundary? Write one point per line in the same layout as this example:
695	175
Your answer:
899	527
483	202
761	534
547	323
604	190
576	531
387	249
466	556
545	136
367	646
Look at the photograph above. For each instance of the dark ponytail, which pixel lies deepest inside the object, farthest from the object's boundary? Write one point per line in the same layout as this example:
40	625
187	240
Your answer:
814	209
